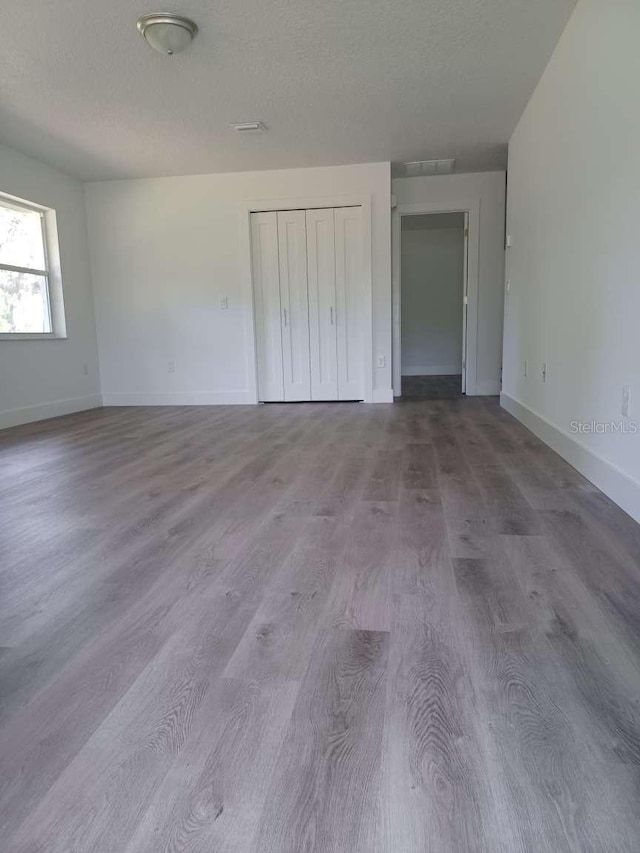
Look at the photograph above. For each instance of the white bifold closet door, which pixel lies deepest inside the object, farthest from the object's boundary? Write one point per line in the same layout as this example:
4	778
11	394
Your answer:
349	301
292	253
321	266
308	303
266	286
279	262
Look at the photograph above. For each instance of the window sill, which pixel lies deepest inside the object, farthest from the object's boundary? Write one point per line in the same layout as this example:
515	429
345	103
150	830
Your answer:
31	336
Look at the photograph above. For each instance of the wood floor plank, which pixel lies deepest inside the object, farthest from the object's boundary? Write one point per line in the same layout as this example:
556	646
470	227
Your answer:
617	528
419	469
421	549
460	495
470	537
533	738
359	597
214	794
312	564
595	663
500	493
280	638
384	483
326	781
433	797
612	578
106	582
89	807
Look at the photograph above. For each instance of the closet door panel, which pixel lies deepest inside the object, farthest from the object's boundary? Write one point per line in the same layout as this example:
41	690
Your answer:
350	298
292	250
266	288
322	304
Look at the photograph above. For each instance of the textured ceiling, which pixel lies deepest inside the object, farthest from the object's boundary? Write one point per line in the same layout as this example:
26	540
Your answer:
336	81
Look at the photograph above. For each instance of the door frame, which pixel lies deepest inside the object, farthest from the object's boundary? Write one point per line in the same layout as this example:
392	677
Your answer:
472	209
249	206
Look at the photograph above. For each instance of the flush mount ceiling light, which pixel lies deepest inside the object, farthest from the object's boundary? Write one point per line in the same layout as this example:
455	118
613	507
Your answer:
167	33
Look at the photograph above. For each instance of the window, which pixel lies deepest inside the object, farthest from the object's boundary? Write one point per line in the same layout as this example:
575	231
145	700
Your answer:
25	305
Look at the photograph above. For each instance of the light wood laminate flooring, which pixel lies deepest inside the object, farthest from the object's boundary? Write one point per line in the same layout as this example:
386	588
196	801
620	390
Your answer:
318	627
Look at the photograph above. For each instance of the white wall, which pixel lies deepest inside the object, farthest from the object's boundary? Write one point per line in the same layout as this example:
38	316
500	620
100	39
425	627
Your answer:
487	189
432	289
574	268
165	251
40	379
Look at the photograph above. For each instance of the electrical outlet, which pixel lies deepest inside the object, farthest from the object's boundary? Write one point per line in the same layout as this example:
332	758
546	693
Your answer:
626	400
381	361
171	367
224	303
526	368
544	371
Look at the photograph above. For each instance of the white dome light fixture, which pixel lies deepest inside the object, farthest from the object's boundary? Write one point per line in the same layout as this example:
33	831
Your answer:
167	33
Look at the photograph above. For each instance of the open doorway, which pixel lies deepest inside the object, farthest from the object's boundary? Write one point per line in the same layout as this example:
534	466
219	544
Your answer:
433	310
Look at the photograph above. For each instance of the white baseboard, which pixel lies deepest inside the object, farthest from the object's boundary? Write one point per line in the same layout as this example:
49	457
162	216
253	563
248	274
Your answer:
178	398
202	398
432	370
29	414
382	395
621	488
488	387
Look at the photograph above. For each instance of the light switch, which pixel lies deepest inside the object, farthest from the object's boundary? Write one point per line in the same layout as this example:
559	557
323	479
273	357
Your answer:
224	303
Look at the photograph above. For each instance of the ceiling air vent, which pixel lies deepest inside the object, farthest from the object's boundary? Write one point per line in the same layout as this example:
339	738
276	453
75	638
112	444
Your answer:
247	128
429	167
